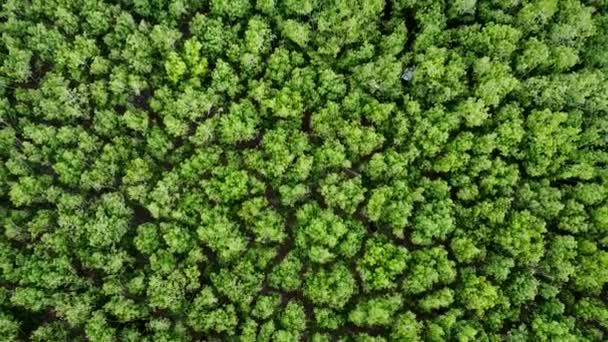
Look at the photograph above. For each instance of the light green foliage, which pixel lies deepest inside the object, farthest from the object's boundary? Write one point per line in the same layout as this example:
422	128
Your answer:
327	318
176	237
393	205
462	7
292	194
388	164
382	263
17	64
363	337
439	75
221	235
265	306
497	41
549	142
224	80
440	328
281	155
345	194
258	35
125	309
239	123
299	7
428	267
50	332
205	315
523	238
478	293
434	221
266	223
535	55
229	185
97	328
546	329
293	317
333	287
304	170
465	250
231	9
110	221
376	311
494	81
523	288
559	258
239	283
473	111
175	67
591	273
297	32
323	236
167	292
286	275
499	267
380	76
593	310
192	57
440	299
406	328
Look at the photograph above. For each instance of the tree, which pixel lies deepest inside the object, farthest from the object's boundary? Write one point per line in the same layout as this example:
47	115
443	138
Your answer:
361	170
439	75
266	223
323	235
239	283
478	294
332	287
375	311
297	32
265	306
286	275
439	299
590	275
524	238
382	263
345	194
221	235
428	267
407	327
293	317
494	81
205	316
230	9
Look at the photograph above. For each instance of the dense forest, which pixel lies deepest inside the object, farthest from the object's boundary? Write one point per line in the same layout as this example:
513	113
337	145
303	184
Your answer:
304	170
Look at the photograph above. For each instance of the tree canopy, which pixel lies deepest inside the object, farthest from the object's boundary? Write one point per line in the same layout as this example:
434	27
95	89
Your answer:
311	170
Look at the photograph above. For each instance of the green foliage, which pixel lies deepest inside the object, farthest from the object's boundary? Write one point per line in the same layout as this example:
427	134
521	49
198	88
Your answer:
290	170
345	194
523	239
221	234
9	328
286	275
440	299
429	266
205	315
333	287
293	317
322	235
382	263
478	293
406	328
376	311
265	222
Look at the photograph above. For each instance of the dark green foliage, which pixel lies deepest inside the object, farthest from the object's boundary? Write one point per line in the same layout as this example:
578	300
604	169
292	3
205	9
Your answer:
304	170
